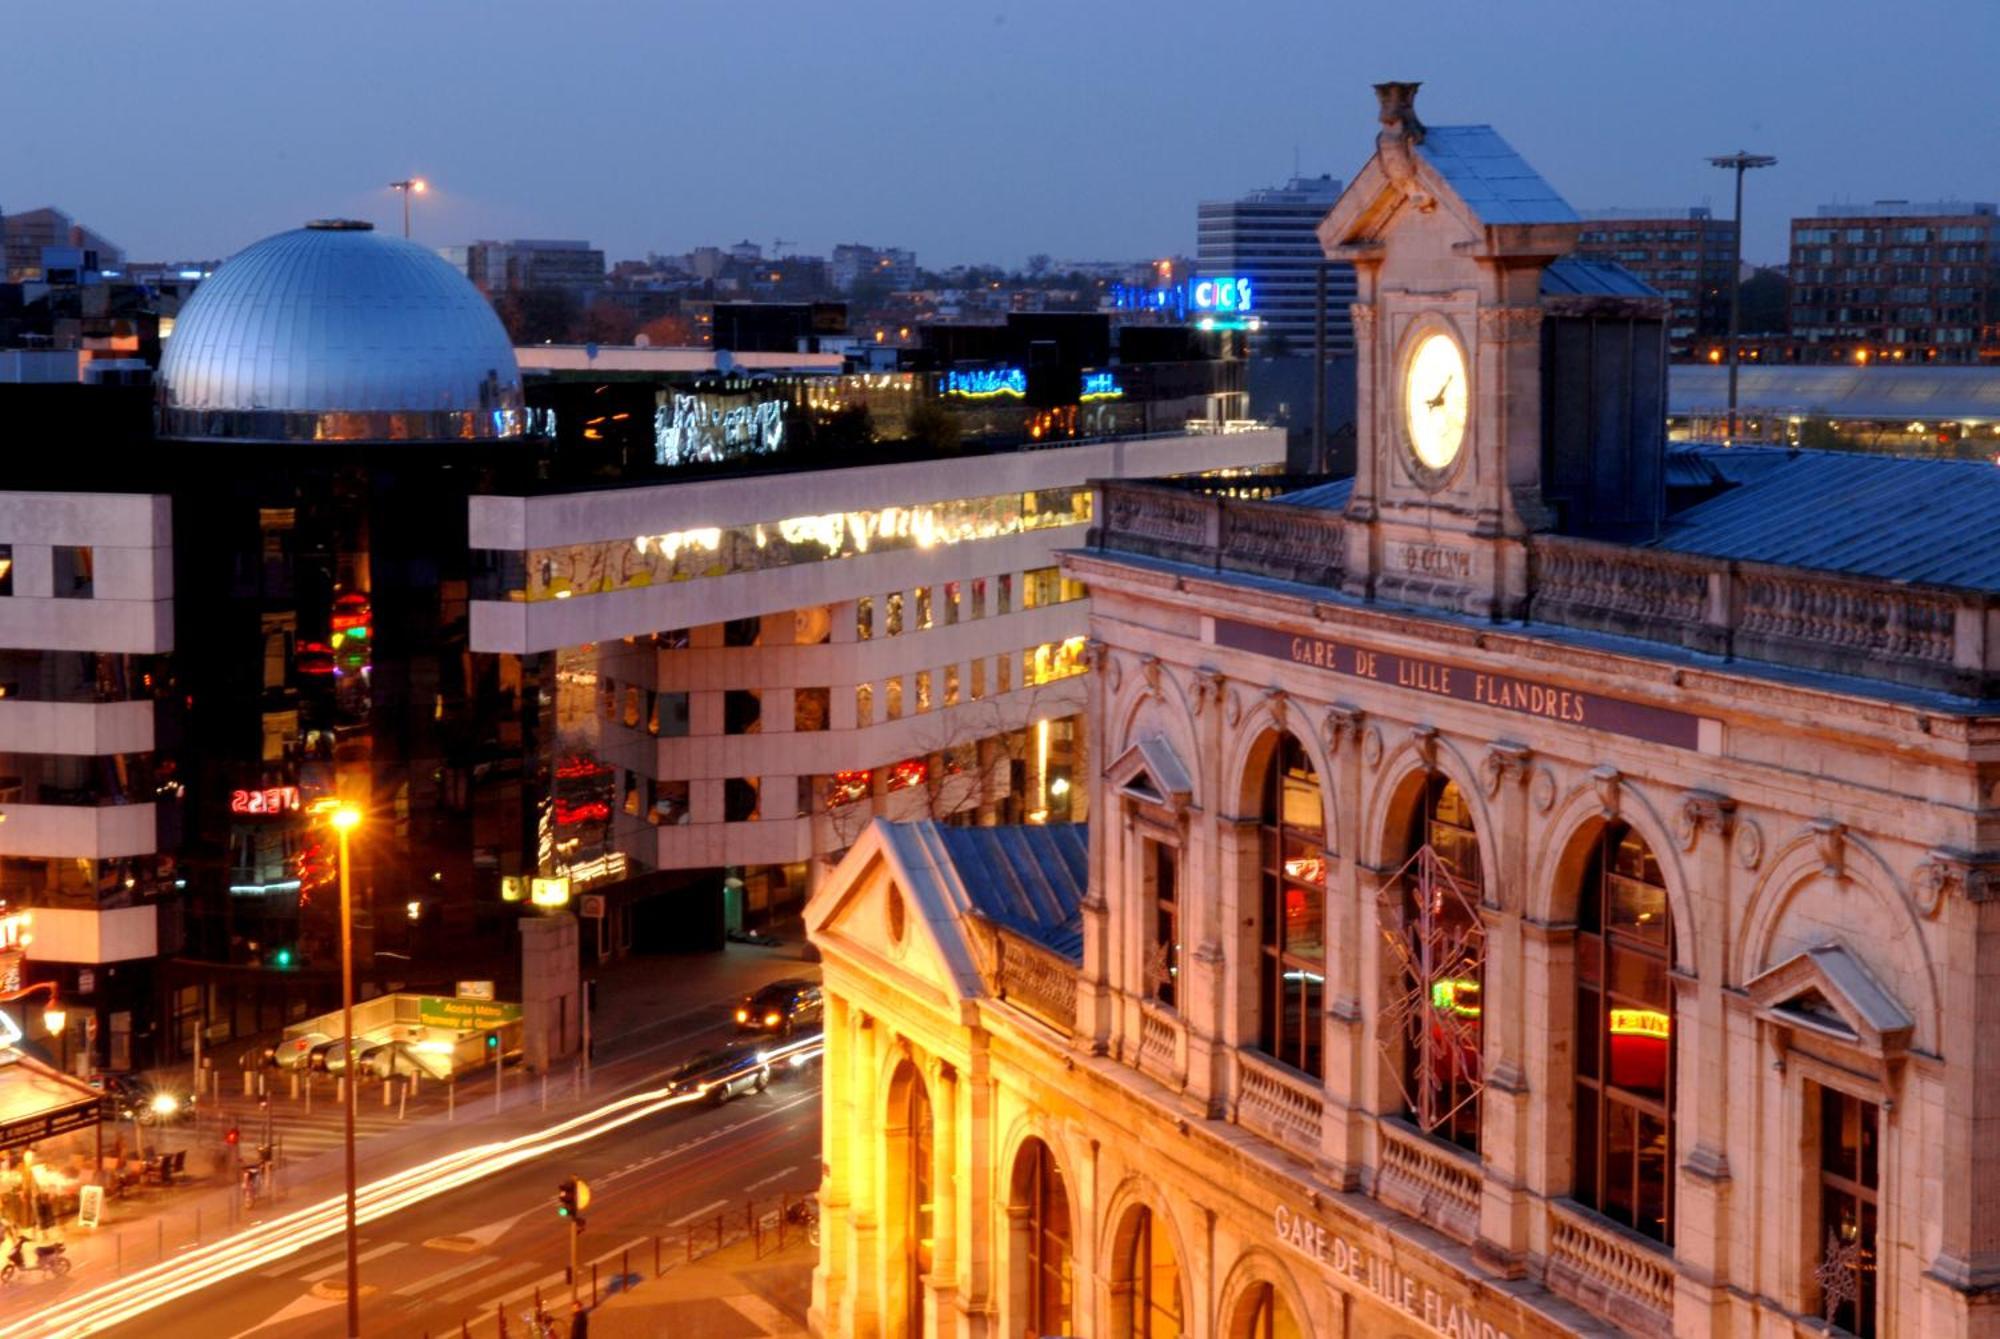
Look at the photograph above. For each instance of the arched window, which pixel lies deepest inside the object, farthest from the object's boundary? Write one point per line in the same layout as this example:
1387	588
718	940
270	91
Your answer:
918	1204
1156	1281
1440	948
1625	1037
1038	1186
1293	910
1270	1318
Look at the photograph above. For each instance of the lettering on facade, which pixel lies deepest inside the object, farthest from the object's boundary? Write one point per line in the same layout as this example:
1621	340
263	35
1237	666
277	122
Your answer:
1437	678
1382	1279
1436	560
269	800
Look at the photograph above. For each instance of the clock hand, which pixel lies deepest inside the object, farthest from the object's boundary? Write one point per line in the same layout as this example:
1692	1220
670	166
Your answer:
1437	401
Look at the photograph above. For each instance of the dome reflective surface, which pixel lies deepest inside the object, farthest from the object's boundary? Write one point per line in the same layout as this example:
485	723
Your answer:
336	333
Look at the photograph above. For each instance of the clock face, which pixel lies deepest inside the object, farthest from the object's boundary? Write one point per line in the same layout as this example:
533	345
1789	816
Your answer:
1434	400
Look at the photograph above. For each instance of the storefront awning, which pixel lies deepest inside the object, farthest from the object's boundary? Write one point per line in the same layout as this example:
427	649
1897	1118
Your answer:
38	1102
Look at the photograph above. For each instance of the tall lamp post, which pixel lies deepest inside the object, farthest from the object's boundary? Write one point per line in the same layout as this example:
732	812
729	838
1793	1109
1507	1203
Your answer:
409	186
1739	162
345	820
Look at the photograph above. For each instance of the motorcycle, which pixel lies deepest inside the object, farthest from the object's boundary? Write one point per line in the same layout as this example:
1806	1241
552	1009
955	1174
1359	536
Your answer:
50	1259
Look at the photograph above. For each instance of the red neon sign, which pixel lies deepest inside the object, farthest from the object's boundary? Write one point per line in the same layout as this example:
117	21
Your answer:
270	800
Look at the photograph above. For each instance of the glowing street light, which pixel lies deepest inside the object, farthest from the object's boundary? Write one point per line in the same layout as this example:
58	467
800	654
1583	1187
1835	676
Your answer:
409	186
345	819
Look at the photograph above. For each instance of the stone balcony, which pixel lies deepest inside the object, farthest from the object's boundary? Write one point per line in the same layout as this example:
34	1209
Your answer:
1622	1277
1937	638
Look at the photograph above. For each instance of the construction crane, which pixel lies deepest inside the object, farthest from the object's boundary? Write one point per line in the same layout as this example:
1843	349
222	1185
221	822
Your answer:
778	245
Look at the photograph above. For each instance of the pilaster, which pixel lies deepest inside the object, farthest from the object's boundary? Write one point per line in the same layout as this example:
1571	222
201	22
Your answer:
1504	1122
1702	1109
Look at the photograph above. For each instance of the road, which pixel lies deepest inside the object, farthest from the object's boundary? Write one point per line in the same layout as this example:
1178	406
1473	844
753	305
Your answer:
449	1260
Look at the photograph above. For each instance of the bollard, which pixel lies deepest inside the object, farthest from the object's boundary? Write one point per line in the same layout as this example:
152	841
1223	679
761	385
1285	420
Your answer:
197	1225
249	1083
121	1254
593	1284
403	1102
340	1090
263	1088
656	1255
501	1312
545	1090
718	1232
160	1235
451	1101
464	1330
295	1085
385	1093
309	1092
625	1269
538	1301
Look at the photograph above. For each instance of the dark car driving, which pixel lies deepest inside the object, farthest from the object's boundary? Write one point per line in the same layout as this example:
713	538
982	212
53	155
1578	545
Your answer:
780	1008
721	1074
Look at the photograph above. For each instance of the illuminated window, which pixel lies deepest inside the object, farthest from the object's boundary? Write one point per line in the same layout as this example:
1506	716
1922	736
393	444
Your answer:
1003	665
864	619
1163	963
1624	1029
1443	1033
811	708
978	597
864	704
1003	594
892	697
951	598
75	572
6	569
918	1201
895	619
1047	585
1156	1281
631	794
740	799
633	701
669	803
1850	1187
977	685
923	608
1292	919
923	690
1043	1206
813	626
1270	1318
670	715
951	685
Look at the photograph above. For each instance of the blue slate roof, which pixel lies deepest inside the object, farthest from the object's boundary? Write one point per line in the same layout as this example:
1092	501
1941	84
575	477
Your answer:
1329	496
1895	518
1594	278
1495	182
1030	879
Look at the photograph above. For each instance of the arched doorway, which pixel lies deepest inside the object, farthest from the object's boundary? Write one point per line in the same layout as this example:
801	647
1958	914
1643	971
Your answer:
1292	910
1044	1237
1149	1300
1267	1316
909	1163
1437	959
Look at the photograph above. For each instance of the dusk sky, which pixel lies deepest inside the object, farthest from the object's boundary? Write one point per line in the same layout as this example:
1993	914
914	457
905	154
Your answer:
1084	129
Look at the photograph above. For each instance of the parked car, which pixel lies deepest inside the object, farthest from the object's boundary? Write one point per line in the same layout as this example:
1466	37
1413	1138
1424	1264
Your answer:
781	1007
297	1052
721	1074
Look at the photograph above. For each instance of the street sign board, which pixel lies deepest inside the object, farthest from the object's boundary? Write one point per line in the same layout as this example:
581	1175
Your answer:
437	1011
89	1206
475	990
591	906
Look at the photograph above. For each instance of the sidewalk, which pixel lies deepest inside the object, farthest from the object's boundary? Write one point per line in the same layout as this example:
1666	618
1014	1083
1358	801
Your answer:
730	1294
647	1008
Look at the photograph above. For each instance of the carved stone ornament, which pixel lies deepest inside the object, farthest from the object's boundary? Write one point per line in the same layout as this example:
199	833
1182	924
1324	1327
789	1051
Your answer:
1424	738
1362	314
1542	790
1232	707
1114	670
1274	698
1150	665
1502	763
1749	843
1207	688
1343	722
1830	840
1975	876
1606	781
1704	809
1098	654
1371	746
1504	323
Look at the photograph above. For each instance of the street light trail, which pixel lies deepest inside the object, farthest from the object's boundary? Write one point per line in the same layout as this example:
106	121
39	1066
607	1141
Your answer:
124	1299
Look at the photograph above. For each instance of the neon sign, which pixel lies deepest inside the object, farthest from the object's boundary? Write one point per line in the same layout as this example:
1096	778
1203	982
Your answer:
1101	386
693	428
1221	295
986	383
270	800
1456	995
1641	1023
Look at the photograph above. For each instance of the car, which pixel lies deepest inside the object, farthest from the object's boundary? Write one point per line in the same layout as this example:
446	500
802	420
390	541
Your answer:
297	1052
781	1007
720	1074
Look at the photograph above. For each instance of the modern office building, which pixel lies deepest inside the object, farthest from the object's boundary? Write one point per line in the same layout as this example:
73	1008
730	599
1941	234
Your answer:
252	589
852	263
1497	919
1686	254
1268	238
526	264
1897	281
30	231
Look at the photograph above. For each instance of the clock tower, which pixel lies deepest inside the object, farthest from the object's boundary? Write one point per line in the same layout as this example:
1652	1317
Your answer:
1450	234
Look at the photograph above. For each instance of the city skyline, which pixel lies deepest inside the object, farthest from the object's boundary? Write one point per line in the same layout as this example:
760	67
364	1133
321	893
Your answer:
958	139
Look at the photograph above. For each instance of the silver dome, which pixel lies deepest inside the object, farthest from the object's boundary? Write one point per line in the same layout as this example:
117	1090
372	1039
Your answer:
335	333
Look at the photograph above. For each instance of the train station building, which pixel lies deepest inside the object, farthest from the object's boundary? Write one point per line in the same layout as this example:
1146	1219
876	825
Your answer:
1539	885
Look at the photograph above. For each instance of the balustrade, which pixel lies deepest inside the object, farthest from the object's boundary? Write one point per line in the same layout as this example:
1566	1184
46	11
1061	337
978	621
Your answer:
1627	1280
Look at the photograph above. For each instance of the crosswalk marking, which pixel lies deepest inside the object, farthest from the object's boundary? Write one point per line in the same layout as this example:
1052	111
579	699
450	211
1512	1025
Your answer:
285	1267
445	1276
482	1284
330	1270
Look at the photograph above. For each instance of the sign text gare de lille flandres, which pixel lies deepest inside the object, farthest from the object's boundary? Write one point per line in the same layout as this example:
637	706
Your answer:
1658	725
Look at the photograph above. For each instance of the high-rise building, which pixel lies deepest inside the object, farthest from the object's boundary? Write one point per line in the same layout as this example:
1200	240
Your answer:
1270	237
1684	253
853	263
31	230
1897	281
525	263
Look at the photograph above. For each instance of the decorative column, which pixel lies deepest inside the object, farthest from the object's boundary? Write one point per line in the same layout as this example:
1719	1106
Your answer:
948	1319
1962	888
1708	831
984	1196
1211	877
831	1274
1094	991
863	1310
1504	1124
1351	918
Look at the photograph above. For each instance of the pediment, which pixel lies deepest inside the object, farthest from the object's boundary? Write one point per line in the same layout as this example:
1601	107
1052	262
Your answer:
885	906
1830	992
1151	772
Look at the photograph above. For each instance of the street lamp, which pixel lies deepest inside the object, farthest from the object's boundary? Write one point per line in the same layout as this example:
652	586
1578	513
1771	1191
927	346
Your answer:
345	820
1739	162
409	186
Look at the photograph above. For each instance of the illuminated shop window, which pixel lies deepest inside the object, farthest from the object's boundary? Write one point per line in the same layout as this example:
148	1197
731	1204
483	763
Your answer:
1292	910
1625	1047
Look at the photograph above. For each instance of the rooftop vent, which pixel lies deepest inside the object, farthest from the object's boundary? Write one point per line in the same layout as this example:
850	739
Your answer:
340	225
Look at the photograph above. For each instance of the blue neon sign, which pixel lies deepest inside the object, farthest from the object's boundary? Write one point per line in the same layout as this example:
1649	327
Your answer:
1102	386
985	383
1221	295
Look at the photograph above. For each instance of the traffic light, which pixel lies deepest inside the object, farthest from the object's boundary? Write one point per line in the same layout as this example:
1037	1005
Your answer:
231	1138
283	957
572	1198
492	1042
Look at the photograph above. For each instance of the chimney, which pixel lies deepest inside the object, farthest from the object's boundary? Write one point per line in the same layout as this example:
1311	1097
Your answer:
1399	110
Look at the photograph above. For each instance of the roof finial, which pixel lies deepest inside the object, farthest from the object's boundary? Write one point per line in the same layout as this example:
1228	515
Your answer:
1399	110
